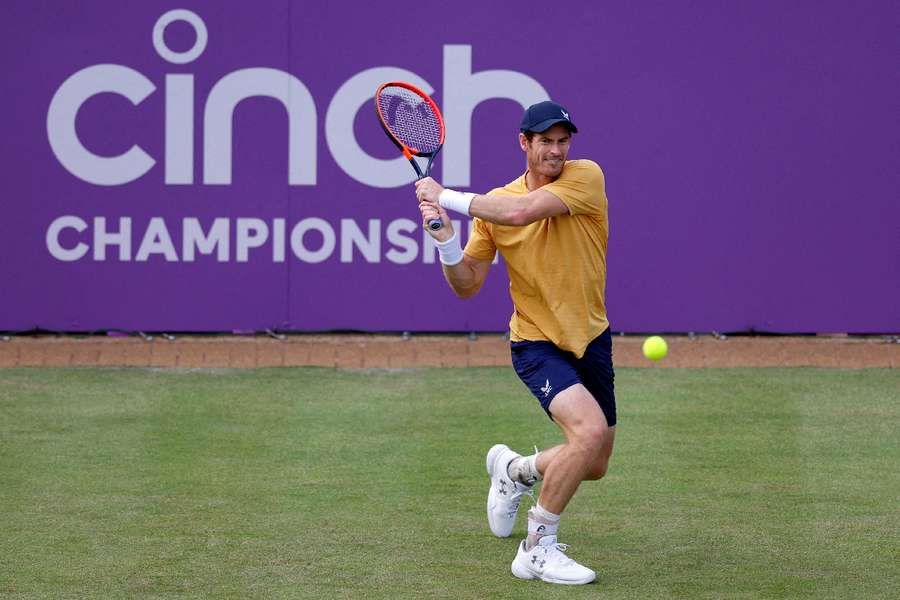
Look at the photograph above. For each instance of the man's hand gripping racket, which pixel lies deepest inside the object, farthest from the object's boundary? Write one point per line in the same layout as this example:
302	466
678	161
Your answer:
412	120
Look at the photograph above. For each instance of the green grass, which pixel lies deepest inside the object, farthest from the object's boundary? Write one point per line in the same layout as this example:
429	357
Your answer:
317	483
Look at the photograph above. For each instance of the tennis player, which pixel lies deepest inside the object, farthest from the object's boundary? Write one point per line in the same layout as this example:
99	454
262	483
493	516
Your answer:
551	227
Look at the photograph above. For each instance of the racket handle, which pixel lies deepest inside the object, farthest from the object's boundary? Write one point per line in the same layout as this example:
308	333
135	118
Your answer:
435	224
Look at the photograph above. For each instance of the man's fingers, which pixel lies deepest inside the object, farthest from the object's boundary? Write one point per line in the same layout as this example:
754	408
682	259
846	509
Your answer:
428	189
430	213
428	192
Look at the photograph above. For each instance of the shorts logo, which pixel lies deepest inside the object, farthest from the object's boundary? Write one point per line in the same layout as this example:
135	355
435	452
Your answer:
547	388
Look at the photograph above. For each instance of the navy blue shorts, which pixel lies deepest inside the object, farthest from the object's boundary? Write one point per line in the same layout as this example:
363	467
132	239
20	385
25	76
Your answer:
547	370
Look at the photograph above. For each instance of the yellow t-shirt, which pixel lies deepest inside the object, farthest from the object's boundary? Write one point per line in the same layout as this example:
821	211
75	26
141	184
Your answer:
557	266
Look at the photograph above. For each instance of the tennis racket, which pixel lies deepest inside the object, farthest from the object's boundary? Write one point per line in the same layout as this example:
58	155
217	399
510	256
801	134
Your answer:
412	120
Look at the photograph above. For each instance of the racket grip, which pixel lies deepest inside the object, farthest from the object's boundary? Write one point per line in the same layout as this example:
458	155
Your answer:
435	224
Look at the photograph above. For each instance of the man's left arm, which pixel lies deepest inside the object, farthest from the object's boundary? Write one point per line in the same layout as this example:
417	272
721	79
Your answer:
502	210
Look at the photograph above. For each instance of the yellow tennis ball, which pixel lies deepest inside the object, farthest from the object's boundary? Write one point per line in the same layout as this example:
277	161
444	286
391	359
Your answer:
655	347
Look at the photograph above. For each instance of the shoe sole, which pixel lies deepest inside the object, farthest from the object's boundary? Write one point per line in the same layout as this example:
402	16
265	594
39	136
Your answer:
526	573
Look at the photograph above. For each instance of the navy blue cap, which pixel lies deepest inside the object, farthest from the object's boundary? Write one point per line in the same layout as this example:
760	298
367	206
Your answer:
544	115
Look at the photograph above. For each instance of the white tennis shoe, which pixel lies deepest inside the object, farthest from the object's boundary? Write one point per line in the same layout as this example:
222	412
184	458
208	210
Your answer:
548	562
504	495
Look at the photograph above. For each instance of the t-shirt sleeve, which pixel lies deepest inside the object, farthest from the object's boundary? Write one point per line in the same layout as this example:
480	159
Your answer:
582	188
481	243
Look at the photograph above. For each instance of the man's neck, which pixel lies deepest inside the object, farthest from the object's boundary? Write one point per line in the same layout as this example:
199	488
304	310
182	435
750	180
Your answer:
534	180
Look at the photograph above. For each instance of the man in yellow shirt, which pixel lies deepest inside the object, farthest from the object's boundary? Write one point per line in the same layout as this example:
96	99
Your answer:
551	227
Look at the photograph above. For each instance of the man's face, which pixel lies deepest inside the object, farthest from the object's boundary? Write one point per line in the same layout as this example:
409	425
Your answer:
547	151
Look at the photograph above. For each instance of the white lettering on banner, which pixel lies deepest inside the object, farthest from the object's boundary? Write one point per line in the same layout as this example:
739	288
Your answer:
179	129
405	249
312	240
56	249
251	233
249	83
192	19
64	142
368	245
463	91
298	246
156	241
278	240
193	237
102	239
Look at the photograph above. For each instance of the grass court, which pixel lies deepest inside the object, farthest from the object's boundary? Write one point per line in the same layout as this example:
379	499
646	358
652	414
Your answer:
329	483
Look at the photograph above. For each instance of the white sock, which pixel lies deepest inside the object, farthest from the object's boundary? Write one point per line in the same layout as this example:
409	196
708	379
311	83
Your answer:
541	522
524	470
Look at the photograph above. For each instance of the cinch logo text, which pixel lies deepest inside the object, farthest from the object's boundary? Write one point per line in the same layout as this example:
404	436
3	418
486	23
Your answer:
462	92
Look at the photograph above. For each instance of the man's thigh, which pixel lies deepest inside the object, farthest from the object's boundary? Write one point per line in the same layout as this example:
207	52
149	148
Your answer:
579	415
595	370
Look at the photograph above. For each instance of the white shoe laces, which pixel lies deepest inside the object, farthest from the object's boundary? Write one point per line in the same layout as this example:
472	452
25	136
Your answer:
557	553
516	498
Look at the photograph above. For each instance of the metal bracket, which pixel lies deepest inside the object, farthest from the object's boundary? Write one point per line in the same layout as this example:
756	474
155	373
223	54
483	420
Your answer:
274	334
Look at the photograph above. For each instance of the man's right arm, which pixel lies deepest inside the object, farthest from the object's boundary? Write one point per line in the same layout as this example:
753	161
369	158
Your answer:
466	277
465	274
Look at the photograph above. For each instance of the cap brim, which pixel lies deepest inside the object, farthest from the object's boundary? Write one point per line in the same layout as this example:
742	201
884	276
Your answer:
545	125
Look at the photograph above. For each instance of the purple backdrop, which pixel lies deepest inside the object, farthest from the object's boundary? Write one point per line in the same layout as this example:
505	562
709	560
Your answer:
750	149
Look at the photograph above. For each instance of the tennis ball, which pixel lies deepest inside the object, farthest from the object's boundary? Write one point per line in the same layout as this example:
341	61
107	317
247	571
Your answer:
655	347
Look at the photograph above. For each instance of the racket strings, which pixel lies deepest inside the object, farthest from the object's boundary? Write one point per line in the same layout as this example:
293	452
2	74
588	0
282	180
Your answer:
410	119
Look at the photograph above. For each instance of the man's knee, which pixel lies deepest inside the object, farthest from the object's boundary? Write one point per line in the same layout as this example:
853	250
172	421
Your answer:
598	470
600	464
590	435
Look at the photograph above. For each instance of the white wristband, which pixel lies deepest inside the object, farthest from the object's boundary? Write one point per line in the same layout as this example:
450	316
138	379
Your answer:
450	252
458	201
